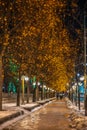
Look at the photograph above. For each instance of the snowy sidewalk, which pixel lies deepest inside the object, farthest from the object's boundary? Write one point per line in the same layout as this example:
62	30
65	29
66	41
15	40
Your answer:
11	111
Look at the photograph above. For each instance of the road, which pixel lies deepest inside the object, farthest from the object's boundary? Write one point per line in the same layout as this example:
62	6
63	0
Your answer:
51	117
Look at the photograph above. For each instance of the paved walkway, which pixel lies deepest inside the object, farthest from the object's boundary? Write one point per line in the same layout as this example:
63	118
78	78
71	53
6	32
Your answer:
54	117
51	117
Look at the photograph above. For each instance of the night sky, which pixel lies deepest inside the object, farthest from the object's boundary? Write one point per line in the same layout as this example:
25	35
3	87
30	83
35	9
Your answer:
81	3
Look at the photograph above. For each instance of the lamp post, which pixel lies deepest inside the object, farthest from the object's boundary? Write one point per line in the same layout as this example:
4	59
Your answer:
85	60
1	82
76	101
72	94
34	91
37	91
78	91
44	91
22	80
41	87
79	84
48	92
82	86
27	79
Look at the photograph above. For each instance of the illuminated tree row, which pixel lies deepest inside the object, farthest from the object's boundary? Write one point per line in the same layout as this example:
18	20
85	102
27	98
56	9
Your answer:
36	40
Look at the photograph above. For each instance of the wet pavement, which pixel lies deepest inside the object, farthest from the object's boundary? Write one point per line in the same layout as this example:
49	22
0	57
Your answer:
51	117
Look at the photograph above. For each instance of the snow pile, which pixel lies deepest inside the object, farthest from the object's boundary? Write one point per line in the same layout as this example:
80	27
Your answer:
68	103
78	120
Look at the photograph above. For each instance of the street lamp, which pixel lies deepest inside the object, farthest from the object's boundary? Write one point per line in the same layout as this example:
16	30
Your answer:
37	91
23	78
44	90
34	91
38	83
85	59
79	85
41	87
27	79
82	78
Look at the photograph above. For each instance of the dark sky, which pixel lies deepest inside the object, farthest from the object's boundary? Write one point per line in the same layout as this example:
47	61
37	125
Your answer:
81	3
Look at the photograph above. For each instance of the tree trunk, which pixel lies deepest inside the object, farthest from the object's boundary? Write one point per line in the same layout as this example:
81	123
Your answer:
34	95
18	90
42	93
18	96
28	92
1	81
37	93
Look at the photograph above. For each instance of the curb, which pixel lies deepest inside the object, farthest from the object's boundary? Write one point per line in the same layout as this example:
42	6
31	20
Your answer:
10	117
43	102
31	108
21	112
46	101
